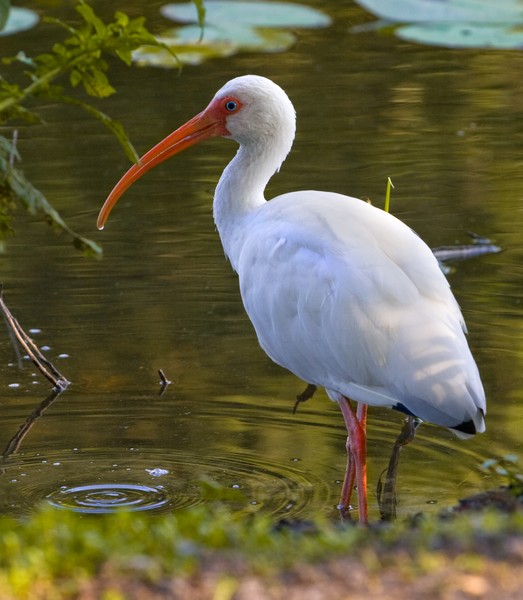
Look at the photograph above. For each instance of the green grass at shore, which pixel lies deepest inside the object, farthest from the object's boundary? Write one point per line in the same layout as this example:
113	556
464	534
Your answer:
53	552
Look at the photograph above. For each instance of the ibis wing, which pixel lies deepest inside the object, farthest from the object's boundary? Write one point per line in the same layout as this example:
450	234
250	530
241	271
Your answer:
348	297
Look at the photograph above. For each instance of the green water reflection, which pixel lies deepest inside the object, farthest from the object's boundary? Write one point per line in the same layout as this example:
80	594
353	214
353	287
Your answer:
445	125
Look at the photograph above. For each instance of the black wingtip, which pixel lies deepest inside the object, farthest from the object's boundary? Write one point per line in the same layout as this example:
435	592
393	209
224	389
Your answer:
467	427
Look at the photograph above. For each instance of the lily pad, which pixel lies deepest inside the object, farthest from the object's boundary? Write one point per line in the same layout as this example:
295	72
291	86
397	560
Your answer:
253	14
183	51
452	23
463	35
188	48
230	27
19	19
445	11
238	37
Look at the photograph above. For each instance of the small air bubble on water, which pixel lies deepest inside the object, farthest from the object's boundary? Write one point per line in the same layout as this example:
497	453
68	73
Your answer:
157	472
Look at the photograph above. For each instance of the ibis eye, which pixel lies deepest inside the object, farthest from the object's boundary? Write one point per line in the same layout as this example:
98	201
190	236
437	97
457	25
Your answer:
231	105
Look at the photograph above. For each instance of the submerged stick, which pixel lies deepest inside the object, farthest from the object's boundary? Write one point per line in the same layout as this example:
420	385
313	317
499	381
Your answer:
164	382
45	367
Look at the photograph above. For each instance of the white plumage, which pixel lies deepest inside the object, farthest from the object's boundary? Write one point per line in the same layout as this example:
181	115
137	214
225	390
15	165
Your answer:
354	312
339	292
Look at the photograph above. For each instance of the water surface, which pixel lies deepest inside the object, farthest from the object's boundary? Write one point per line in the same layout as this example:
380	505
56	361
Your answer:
446	125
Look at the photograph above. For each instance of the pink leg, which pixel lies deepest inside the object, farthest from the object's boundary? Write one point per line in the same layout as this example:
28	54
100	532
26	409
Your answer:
348	485
355	421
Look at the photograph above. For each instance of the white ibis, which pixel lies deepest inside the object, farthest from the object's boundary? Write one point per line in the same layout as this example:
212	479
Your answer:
341	293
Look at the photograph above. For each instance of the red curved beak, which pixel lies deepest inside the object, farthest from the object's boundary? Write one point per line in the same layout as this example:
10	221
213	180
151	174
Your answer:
199	128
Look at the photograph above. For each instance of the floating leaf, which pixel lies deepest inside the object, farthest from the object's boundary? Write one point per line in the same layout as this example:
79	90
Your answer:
18	19
230	27
191	48
463	35
235	36
186	53
446	11
253	14
453	23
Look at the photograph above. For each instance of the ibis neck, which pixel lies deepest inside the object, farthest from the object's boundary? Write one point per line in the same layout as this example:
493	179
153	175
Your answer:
240	192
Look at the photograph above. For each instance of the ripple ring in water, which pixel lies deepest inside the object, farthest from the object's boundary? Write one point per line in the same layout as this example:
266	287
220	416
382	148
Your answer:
106	498
162	481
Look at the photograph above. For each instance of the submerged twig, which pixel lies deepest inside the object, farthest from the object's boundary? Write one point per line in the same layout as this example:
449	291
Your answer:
480	246
164	382
45	367
12	338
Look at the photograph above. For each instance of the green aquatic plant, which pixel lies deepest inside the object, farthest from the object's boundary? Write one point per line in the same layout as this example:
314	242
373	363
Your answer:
16	189
80	59
81	56
507	468
390	186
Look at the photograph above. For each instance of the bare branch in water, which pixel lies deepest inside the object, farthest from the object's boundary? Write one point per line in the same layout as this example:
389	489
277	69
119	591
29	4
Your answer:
45	367
164	382
480	245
